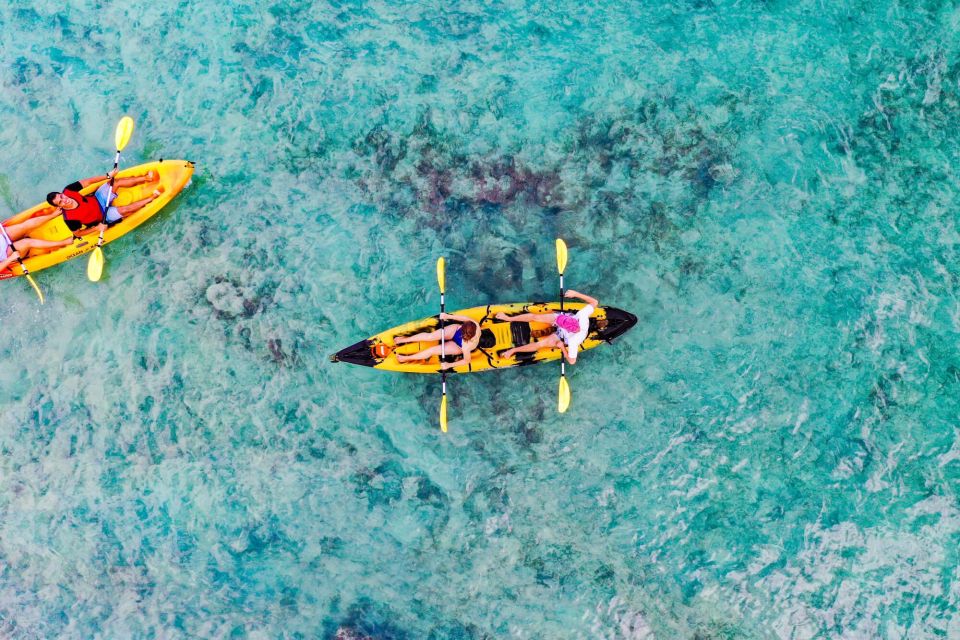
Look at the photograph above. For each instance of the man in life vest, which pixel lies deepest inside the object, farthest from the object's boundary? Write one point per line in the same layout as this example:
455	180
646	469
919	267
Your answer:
81	211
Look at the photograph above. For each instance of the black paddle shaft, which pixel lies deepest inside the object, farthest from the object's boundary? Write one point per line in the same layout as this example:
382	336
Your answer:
561	293
443	372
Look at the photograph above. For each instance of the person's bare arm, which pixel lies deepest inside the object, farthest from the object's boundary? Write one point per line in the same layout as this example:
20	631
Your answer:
451	316
85	232
566	353
8	261
86	182
582	296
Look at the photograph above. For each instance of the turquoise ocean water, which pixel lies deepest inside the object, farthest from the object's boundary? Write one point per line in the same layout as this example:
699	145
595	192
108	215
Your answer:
773	452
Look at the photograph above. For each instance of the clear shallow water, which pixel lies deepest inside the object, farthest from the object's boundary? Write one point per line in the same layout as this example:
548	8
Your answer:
772	452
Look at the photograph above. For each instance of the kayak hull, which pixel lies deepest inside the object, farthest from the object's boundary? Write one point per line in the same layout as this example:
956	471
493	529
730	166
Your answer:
496	336
174	175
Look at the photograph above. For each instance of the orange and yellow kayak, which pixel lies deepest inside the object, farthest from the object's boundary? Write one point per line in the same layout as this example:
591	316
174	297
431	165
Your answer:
174	175
379	351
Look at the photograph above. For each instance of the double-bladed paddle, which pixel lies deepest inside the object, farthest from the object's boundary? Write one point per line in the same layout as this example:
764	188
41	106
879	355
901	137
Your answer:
563	400
441	280
121	137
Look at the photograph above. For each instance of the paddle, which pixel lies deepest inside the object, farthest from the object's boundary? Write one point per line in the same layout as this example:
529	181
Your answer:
441	280
32	283
121	137
23	267
563	400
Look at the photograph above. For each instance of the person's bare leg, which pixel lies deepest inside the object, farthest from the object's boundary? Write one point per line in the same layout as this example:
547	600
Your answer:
433	336
133	181
450	349
546	318
550	342
22	229
25	245
6	262
127	209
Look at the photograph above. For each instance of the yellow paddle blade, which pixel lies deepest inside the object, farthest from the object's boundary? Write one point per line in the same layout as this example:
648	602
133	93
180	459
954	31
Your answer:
124	131
563	402
35	287
443	414
561	255
95	266
441	273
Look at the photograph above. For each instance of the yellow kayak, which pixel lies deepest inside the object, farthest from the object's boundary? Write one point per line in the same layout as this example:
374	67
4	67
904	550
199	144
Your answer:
173	175
379	351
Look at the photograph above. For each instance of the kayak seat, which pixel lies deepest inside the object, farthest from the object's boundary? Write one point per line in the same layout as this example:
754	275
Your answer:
487	339
520	332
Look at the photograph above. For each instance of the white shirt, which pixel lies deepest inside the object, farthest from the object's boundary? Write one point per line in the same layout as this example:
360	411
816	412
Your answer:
574	340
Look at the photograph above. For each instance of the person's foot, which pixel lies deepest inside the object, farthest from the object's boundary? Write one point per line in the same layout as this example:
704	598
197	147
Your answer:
502	316
506	354
157	192
151	176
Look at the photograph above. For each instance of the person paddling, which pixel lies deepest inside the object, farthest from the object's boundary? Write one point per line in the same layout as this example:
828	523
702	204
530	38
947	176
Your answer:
571	330
459	339
81	211
15	243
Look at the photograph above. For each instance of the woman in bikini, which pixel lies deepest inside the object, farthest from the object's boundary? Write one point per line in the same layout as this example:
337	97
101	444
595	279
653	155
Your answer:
459	339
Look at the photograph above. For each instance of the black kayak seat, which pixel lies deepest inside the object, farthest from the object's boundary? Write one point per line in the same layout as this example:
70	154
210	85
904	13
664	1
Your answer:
520	332
487	339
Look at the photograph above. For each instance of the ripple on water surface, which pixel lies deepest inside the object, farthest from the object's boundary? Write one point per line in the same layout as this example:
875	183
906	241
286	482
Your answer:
771	452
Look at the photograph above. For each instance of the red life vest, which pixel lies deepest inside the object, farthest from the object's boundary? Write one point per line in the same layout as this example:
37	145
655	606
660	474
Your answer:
88	211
